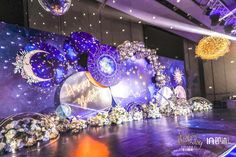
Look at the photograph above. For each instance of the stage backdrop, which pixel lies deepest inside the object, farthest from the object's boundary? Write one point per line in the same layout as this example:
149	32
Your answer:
16	96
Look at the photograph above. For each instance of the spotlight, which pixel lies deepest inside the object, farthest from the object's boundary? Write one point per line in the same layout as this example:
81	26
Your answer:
214	16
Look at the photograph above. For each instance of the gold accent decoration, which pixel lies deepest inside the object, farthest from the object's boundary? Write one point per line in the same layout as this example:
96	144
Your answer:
212	47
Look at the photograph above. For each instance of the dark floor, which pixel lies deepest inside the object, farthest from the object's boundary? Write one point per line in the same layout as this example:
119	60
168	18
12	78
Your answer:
148	138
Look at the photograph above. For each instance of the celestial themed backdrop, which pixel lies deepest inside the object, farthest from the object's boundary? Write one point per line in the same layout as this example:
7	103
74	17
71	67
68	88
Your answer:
18	96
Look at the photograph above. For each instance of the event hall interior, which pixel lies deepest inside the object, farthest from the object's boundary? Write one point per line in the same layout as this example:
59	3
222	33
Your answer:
117	78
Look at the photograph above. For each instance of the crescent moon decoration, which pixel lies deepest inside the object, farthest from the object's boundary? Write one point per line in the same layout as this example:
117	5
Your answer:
105	65
24	67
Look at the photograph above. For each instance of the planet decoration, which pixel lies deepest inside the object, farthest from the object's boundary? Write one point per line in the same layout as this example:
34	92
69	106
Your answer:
84	97
63	111
212	47
56	7
104	65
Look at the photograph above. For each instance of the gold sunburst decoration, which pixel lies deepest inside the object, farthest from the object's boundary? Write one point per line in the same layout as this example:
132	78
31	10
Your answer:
212	47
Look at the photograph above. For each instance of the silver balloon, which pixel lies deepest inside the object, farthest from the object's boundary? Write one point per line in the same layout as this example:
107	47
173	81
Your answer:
56	7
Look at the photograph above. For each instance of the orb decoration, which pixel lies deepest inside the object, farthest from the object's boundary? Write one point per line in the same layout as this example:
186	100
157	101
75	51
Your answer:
129	49
45	67
56	7
104	66
212	47
83	97
136	84
63	111
180	92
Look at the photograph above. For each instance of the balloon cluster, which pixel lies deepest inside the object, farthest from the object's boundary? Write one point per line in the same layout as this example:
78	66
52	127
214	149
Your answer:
77	46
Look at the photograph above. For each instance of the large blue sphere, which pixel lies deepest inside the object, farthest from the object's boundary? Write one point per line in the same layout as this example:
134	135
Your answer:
56	7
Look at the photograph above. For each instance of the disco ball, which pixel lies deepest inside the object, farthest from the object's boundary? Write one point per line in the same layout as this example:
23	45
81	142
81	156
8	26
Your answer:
56	7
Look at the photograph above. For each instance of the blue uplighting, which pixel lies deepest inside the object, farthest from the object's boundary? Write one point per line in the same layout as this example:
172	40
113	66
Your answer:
230	153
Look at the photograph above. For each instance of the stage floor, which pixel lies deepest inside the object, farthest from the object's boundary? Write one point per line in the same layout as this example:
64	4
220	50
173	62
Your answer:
147	138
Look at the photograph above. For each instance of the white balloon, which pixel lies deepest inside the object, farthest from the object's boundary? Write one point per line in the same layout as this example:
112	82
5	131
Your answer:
180	92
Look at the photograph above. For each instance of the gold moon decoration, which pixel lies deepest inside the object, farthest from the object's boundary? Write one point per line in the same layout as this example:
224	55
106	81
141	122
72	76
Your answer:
27	67
78	92
94	82
212	47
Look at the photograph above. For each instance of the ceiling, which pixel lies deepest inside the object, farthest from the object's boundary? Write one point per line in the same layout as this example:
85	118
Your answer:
147	9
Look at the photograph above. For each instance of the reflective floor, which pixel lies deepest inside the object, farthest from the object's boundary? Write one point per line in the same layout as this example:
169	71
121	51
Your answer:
168	136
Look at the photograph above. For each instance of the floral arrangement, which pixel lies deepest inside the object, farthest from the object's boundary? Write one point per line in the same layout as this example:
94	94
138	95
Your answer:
119	115
101	119
26	132
151	111
176	107
29	131
136	115
199	104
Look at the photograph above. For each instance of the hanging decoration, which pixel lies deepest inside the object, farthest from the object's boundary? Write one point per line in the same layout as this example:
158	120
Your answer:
212	47
56	7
